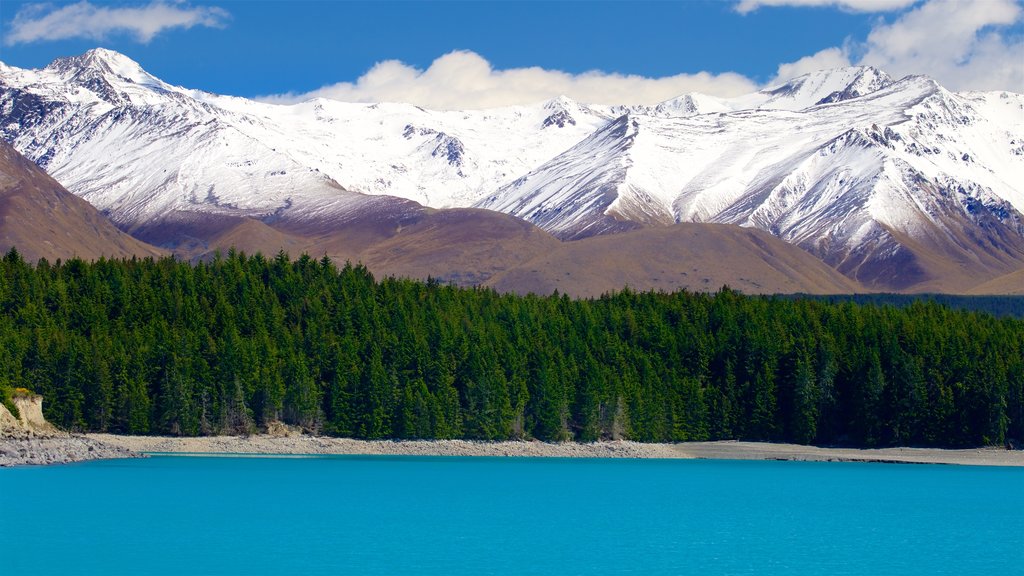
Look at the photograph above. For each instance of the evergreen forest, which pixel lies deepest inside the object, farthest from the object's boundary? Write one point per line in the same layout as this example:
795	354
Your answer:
232	345
995	305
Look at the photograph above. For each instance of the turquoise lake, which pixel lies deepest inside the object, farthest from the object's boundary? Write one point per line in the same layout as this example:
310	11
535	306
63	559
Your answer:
416	515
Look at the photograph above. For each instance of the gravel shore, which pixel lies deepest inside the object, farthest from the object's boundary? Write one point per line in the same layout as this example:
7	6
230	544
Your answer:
731	450
58	449
726	450
62	448
265	444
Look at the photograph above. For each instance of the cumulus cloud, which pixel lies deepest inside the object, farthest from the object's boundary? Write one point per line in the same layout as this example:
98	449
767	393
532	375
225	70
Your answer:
957	42
746	6
827	58
960	43
464	79
41	22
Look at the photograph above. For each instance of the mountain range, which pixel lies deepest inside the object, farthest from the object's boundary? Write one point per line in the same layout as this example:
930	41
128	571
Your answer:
841	180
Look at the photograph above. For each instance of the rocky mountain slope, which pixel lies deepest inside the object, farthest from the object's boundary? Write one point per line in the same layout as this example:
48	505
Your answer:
43	220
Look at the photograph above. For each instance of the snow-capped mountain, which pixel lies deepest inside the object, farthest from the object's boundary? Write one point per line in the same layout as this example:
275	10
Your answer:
847	164
882	178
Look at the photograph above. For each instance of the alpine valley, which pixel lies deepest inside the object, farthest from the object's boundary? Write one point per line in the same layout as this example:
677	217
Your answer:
839	181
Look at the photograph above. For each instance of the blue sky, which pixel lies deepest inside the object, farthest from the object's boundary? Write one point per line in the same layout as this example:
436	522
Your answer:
432	50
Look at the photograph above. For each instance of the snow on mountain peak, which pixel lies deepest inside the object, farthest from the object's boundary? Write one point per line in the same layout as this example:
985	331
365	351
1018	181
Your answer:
105	62
564	111
98	76
821	87
561	102
823	81
691	104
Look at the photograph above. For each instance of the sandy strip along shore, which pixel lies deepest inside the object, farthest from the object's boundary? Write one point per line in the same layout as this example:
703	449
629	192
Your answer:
726	450
730	450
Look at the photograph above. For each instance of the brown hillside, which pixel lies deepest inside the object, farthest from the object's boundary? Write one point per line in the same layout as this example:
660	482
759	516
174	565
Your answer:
469	246
463	246
43	220
1010	284
951	259
698	257
196	237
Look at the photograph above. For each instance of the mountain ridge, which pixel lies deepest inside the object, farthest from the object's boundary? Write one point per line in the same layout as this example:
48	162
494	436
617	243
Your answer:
868	173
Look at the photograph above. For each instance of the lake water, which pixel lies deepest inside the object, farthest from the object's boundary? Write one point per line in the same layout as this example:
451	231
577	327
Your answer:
416	515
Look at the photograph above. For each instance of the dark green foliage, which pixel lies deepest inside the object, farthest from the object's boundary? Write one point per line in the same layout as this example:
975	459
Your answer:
995	305
5	399
233	345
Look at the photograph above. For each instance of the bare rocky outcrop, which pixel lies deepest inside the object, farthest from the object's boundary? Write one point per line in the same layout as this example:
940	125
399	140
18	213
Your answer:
30	422
10	427
278	429
30	412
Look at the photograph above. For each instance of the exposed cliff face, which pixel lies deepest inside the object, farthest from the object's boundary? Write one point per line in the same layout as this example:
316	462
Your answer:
31	423
10	427
31	409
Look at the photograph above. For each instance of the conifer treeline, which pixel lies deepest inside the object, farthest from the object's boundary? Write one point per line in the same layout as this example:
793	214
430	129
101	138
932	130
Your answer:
164	347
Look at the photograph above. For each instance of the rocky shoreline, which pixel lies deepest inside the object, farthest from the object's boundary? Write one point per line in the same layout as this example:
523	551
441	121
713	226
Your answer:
60	449
321	445
29	440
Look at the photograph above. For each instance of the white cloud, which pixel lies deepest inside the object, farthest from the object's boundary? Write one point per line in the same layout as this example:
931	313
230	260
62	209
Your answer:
40	22
827	58
746	6
957	42
463	79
